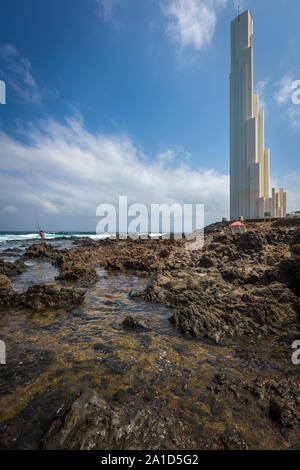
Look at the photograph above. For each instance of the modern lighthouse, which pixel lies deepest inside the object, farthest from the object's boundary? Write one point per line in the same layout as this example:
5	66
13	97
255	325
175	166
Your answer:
249	159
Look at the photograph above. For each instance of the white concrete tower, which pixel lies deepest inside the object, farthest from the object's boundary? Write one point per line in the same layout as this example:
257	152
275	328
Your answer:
249	160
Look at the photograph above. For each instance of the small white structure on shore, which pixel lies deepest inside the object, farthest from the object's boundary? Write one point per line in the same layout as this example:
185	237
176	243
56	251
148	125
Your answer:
237	227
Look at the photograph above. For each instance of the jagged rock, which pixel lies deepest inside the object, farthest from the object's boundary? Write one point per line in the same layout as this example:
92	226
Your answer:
232	440
295	249
288	272
41	296
5	290
143	264
282	414
249	241
164	253
76	272
131	323
41	251
207	261
12	269
207	305
84	241
93	424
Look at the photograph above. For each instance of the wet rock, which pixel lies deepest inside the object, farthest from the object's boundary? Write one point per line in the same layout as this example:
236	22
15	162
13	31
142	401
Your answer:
207	305
144	264
76	272
23	369
93	424
102	347
24	431
12	251
232	440
120	395
295	249
5	290
221	379
115	366
41	296
85	241
12	269
133	323
136	293
41	251
216	406
282	414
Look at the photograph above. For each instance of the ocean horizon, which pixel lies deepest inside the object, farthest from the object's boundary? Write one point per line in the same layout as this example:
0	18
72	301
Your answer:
11	236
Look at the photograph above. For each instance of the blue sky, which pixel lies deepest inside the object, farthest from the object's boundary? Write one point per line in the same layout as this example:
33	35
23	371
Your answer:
113	97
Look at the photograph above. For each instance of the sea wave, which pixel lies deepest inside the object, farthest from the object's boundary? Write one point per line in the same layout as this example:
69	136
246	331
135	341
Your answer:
7	237
19	237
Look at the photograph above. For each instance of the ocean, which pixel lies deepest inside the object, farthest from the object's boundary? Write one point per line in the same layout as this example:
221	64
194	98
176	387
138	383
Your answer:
21	240
23	236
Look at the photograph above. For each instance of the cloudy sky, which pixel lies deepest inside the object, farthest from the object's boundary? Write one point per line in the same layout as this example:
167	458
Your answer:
130	97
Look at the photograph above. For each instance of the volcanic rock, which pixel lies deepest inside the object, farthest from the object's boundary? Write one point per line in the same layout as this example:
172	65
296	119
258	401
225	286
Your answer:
12	269
5	290
132	323
77	272
52	295
93	424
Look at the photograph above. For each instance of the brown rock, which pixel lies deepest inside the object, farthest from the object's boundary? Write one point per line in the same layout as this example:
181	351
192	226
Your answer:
5	290
132	323
93	424
77	272
42	296
12	269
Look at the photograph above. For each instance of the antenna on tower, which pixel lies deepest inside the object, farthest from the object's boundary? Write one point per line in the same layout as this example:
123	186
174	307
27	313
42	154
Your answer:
238	7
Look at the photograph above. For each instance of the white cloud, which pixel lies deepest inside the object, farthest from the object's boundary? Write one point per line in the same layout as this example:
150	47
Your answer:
16	71
283	94
10	209
64	169
260	90
107	9
192	22
284	98
293	116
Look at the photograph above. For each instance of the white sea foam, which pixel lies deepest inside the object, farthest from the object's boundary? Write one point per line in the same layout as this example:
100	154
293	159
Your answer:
17	237
4	238
12	237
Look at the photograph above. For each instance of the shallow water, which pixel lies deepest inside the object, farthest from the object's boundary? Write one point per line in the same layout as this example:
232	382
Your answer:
89	346
37	272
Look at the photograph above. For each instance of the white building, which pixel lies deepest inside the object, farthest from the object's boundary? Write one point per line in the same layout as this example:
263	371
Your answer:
249	159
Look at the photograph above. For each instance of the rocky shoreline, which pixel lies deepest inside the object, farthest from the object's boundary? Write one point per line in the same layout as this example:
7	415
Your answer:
242	286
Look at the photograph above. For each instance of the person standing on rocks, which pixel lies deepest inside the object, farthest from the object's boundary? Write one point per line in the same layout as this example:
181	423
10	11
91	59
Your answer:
42	235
